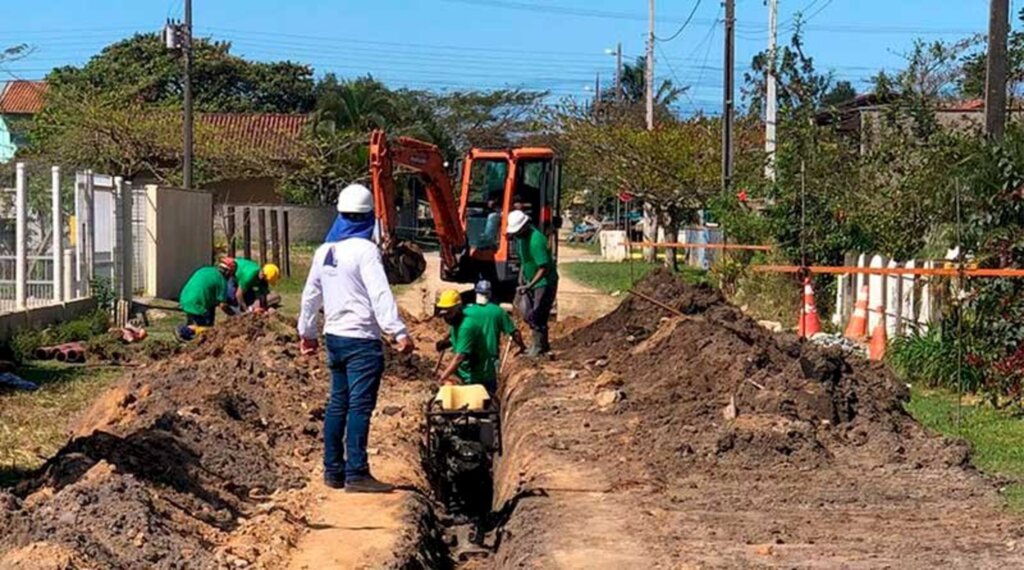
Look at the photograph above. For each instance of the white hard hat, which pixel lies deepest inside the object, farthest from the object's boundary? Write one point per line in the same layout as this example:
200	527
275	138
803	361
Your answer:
355	199
516	220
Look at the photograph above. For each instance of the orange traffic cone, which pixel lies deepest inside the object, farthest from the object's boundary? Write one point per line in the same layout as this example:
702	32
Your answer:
857	329
879	338
809	323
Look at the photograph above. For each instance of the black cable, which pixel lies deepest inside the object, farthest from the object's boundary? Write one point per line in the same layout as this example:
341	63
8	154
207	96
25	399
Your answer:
681	28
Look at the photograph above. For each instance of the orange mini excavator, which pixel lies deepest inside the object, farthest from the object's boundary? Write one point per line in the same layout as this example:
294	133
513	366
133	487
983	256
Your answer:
470	225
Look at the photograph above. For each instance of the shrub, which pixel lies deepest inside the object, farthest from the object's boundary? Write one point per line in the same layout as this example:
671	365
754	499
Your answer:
931	359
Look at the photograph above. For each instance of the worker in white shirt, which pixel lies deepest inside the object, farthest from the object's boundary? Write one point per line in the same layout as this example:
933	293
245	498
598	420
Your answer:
347	280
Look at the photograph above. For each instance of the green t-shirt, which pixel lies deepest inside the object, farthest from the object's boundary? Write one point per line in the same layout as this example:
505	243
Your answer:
478	339
203	291
247	274
534	254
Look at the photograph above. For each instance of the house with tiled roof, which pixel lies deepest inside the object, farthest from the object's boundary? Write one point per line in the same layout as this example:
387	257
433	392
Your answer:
19	102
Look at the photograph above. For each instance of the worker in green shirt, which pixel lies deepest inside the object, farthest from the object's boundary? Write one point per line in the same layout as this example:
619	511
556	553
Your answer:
251	284
494	322
538	278
204	292
474	337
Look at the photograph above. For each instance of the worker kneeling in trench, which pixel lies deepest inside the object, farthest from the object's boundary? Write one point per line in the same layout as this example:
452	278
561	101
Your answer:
463	429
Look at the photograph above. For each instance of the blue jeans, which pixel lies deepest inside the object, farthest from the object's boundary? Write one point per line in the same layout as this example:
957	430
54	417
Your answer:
356	368
232	291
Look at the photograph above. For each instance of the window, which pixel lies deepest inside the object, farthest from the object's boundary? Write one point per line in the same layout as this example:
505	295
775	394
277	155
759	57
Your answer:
484	203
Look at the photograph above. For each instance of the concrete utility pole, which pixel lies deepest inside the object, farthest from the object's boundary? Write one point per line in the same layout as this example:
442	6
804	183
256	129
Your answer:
597	89
187	174
771	95
727	95
995	76
649	75
618	72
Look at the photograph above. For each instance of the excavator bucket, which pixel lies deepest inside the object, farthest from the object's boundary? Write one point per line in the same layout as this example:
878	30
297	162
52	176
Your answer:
404	263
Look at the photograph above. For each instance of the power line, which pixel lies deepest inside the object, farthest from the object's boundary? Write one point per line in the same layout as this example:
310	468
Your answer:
682	27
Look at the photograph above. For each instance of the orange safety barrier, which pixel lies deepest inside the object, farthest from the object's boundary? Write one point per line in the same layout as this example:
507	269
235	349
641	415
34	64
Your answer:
671	245
936	272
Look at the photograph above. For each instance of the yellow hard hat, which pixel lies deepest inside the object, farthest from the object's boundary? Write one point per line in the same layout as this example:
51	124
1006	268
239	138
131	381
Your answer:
271	273
448	299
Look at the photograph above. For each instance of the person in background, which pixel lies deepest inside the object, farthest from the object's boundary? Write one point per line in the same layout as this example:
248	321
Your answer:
489	235
251	284
538	278
346	279
203	293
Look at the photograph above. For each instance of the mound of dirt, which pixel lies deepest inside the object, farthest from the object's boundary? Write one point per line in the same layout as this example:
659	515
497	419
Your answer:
190	462
715	388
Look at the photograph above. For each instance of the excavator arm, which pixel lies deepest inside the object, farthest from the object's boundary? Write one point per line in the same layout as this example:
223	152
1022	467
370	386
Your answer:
426	160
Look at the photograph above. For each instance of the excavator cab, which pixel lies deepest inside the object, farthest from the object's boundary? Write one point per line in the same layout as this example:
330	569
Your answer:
494	183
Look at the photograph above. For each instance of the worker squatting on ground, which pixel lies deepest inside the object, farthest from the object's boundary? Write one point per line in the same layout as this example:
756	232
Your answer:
346	278
249	288
203	293
474	337
538	278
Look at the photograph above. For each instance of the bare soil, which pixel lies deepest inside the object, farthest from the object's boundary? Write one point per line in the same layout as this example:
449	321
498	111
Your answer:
208	459
705	441
649	440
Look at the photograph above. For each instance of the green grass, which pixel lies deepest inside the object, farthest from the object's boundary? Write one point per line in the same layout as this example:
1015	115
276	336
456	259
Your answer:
33	424
997	436
610	277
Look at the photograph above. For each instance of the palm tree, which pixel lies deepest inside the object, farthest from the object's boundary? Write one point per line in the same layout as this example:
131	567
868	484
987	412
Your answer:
634	86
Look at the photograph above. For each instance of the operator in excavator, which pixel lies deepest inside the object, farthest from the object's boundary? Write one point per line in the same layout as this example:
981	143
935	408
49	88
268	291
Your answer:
474	337
538	278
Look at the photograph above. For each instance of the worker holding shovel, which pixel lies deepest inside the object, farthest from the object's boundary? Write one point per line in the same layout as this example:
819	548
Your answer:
475	338
538	279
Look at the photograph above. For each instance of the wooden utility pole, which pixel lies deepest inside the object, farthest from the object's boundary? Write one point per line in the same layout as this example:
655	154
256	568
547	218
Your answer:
995	75
727	95
771	112
649	75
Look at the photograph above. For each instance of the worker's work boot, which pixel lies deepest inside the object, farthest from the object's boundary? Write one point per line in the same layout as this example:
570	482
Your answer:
536	345
367	485
545	346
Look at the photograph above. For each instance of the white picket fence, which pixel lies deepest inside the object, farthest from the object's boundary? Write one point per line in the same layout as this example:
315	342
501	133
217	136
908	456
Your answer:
910	302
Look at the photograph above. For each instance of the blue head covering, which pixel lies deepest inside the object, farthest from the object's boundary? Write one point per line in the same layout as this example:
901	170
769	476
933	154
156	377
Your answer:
345	228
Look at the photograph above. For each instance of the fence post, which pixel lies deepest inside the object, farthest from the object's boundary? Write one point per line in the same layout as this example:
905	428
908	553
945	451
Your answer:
58	235
247	232
69	291
124	197
261	221
275	236
286	243
89	251
19	237
229	216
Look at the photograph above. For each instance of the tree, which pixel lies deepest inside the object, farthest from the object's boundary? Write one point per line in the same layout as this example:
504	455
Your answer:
111	132
676	167
143	69
841	92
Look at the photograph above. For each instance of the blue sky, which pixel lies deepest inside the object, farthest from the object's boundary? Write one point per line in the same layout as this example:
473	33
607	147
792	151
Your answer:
454	44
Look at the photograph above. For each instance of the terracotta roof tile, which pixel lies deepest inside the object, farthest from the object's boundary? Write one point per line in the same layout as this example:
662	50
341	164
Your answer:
277	134
22	97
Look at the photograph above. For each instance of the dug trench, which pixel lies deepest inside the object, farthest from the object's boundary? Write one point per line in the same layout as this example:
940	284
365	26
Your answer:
649	440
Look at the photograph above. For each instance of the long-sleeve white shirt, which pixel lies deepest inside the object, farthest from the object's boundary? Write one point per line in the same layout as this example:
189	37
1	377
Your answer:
347	279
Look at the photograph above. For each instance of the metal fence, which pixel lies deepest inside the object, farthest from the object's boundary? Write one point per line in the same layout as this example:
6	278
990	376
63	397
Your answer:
52	245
